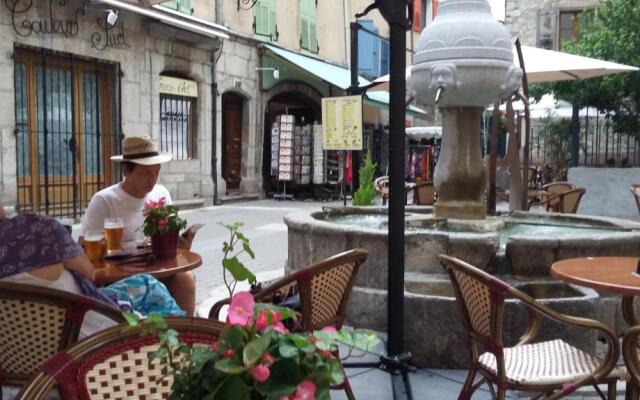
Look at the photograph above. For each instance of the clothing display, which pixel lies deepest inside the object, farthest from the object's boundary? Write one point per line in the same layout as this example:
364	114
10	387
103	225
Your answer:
420	162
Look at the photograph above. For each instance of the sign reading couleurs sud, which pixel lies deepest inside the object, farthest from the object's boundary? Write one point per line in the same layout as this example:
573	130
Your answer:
178	87
342	123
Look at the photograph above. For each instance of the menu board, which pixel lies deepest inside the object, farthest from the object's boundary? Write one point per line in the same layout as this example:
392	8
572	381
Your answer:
342	123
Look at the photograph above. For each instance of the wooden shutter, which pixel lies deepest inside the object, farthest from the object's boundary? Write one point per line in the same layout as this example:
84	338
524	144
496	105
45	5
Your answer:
308	35
368	50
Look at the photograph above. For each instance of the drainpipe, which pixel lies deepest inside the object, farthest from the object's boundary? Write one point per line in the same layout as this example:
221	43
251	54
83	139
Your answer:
214	109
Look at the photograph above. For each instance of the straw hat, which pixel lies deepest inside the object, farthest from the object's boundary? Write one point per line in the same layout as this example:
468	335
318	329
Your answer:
141	150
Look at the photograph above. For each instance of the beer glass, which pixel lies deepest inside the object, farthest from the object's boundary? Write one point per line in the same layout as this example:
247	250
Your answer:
94	247
113	230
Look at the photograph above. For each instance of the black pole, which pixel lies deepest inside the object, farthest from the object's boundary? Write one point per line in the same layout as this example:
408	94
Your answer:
575	135
355	154
214	128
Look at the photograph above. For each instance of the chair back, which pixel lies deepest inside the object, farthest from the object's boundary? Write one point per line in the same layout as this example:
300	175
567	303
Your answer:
114	364
571	200
325	288
481	300
558	187
635	190
532	177
38	322
382	188
424	193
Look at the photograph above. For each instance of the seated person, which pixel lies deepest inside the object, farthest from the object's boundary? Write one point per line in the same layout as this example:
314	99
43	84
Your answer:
38	250
141	164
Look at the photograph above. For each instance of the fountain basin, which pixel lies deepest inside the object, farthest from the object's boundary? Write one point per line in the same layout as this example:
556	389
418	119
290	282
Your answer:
519	247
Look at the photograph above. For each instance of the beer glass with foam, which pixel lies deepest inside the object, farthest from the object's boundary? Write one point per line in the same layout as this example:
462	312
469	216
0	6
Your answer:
113	230
94	247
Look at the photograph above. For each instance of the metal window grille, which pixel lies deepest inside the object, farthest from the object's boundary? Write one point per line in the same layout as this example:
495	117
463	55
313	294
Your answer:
177	117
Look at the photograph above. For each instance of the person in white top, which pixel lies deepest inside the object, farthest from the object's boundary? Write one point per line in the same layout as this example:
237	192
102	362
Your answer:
141	165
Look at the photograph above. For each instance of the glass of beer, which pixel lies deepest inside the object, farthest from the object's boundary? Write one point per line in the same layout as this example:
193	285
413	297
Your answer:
94	247
114	230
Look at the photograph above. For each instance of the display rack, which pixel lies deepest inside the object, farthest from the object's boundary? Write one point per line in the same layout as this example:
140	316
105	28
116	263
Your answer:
285	154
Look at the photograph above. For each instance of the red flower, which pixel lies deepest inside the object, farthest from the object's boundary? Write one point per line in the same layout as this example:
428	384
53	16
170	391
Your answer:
229	353
306	390
261	322
260	372
268	359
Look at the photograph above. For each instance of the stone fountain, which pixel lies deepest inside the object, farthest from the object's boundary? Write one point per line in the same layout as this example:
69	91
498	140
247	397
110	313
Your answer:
463	62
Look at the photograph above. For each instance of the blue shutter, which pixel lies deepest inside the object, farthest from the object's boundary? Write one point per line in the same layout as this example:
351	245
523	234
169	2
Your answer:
368	50
384	57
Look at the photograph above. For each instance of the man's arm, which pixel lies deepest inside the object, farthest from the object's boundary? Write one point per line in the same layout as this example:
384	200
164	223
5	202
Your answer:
94	216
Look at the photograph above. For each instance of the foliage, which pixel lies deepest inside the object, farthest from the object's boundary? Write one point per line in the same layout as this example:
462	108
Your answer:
255	357
231	262
556	133
611	32
159	217
366	193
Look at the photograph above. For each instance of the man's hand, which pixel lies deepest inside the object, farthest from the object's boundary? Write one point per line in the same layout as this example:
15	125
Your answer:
186	239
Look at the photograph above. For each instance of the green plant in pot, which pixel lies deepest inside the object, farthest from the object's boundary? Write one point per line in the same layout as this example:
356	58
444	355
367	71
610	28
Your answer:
162	224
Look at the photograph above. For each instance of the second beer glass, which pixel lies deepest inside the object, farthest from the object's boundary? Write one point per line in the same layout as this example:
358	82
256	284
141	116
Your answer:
113	231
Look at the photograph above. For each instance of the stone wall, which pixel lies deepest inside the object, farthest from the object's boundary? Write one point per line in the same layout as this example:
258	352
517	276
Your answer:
521	16
154	48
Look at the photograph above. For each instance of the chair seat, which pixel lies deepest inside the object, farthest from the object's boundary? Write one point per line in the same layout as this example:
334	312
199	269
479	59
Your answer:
544	363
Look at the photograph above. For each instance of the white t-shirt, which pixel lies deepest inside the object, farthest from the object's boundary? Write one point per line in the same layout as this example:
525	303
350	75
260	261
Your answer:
113	202
93	322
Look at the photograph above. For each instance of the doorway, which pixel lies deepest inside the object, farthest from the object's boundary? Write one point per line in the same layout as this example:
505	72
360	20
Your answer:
232	105
63	131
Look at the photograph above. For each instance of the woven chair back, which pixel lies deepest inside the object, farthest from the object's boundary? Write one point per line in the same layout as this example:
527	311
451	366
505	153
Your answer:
325	288
481	297
558	187
635	190
36	323
424	193
114	364
571	200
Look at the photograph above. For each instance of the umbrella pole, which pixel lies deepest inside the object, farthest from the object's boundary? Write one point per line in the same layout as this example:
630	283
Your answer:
527	127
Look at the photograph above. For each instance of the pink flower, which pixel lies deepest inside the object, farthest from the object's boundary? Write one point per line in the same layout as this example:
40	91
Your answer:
306	390
162	202
276	317
229	353
329	329
268	359
241	309
260	372
162	223
278	327
261	322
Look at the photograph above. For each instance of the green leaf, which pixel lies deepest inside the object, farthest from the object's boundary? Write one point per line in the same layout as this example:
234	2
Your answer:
233	337
337	376
233	387
156	320
287	349
274	390
247	248
131	318
299	340
238	270
254	350
230	366
241	237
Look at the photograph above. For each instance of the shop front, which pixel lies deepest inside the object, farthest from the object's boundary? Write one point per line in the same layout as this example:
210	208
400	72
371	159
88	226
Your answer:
83	75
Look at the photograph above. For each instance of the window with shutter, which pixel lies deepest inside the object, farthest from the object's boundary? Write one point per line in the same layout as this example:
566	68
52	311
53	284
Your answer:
265	19
184	6
368	50
384	57
308	35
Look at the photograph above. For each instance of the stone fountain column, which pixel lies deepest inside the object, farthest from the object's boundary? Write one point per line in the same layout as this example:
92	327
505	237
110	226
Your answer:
463	63
460	174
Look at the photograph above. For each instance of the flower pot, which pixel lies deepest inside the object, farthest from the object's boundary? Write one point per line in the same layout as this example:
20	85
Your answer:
165	245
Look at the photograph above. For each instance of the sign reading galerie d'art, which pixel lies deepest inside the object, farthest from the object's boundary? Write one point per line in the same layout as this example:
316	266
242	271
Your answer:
177	86
57	19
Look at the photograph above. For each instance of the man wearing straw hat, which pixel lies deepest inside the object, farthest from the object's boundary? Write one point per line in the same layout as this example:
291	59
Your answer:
141	163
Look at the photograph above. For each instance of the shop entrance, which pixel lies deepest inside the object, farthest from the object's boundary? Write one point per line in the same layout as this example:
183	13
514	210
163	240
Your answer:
305	112
64	135
232	105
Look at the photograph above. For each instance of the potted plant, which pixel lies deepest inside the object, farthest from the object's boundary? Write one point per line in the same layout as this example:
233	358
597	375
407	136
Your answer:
255	357
162	224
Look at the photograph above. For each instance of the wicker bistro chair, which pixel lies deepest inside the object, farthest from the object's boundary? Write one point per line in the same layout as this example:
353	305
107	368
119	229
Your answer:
114	364
554	368
423	193
323	289
631	357
36	323
382	187
565	202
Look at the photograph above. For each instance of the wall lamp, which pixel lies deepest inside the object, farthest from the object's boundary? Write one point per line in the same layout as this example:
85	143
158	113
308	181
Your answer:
246	4
112	17
276	71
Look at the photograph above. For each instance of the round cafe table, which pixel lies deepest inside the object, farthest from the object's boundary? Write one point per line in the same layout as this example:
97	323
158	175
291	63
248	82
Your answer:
610	274
115	270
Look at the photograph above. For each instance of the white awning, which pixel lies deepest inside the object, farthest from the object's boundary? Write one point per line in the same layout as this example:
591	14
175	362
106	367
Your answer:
185	22
424	132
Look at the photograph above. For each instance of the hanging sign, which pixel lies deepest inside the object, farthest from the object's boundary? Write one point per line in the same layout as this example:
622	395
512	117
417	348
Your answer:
342	123
178	87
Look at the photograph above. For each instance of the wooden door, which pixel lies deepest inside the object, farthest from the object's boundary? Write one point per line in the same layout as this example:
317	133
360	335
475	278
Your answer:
232	140
62	112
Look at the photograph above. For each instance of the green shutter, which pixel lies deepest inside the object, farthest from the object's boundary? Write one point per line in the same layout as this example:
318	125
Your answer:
265	18
184	6
308	35
273	25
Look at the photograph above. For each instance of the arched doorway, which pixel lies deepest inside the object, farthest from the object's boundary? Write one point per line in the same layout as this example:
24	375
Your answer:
306	110
232	106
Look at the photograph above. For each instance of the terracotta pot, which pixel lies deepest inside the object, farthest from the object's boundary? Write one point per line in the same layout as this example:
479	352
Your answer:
165	246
